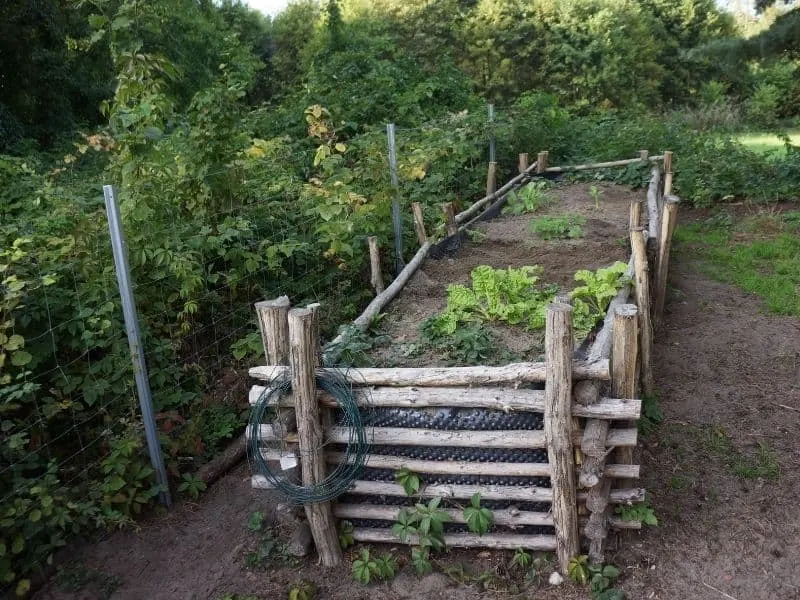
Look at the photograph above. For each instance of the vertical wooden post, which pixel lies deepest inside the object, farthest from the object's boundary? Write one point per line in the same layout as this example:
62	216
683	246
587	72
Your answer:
641	271
491	179
376	278
624	356
644	155
314	308
668	219
667	172
449	210
274	326
541	162
302	357
558	430
419	223
523	162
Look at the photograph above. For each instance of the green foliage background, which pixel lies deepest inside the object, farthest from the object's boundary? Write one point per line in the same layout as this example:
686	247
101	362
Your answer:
250	159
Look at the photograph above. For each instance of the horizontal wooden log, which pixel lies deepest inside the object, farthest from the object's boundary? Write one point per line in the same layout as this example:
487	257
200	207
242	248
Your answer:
501	541
410	436
507	188
603	165
508	517
505	399
457	467
447	376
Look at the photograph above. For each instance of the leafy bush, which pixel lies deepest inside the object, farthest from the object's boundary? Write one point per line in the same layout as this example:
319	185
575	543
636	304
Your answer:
761	108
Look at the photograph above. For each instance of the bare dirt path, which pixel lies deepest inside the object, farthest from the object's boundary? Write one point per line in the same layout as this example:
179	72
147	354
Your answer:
721	470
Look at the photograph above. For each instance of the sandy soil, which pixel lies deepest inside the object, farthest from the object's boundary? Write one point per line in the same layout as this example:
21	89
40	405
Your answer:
726	371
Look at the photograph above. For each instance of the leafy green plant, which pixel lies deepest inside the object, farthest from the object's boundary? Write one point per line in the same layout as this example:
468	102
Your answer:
192	485
510	295
528	198
409	480
561	227
640	512
652	416
367	569
590	301
469	344
602	577
522	559
478	518
269	549
425	521
578	569
420	560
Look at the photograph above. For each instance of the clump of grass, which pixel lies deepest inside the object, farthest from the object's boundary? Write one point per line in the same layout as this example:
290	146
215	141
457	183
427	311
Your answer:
763	464
561	227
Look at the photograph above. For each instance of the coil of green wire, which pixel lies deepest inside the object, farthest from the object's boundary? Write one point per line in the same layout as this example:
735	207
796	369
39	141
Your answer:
338	481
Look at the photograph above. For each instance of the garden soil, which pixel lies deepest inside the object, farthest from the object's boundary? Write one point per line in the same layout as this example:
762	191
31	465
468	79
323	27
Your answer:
729	379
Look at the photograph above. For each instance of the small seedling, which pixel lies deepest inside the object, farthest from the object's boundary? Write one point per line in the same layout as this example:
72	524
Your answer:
522	559
409	480
578	569
303	590
269	549
346	534
528	199
596	194
562	227
479	519
420	559
192	485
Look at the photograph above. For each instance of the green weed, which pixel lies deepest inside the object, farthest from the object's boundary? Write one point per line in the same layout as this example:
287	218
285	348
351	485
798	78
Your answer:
561	227
652	416
529	198
761	464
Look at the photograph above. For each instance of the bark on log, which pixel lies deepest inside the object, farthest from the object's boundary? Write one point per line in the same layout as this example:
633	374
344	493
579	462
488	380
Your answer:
419	223
541	162
302	357
653	209
587	402
376	277
601	165
642	289
668	220
409	436
523	162
491	180
274	325
558	428
222	463
451	376
450	224
508	517
508	541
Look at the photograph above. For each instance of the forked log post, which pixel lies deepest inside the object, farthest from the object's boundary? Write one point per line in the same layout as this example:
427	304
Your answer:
419	223
624	353
557	426
541	162
642	281
376	277
669	217
302	358
449	210
491	179
523	162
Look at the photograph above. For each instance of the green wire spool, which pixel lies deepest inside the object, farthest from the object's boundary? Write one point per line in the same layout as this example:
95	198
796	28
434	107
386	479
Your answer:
266	410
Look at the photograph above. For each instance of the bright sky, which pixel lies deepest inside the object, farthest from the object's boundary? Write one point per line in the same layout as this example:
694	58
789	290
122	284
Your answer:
268	7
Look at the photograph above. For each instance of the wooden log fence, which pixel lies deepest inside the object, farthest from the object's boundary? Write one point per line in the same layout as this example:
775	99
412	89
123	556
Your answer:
589	435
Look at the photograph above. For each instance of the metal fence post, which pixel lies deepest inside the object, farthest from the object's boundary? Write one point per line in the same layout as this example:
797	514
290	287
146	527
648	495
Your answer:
397	223
119	249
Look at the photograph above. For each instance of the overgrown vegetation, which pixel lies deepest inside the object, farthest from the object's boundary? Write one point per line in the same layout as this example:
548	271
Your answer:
249	155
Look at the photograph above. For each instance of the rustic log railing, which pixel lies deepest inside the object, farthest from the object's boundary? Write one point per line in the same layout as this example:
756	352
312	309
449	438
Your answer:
589	407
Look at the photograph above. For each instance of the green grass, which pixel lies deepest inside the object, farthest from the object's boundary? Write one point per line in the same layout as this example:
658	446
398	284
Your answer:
762	143
768	266
762	464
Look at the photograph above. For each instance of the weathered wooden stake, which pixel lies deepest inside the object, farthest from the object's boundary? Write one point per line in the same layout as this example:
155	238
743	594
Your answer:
523	162
644	155
419	223
376	278
667	173
449	210
668	219
541	162
557	426
624	356
491	179
274	326
302	357
641	271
